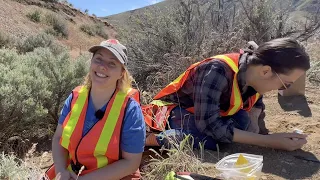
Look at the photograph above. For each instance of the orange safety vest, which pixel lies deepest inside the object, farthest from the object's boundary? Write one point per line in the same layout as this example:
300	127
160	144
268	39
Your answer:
157	112
101	145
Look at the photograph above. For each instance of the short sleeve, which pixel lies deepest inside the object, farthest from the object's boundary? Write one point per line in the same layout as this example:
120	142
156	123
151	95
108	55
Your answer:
134	132
65	110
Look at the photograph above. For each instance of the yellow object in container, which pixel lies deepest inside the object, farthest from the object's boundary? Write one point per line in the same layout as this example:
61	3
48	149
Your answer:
242	161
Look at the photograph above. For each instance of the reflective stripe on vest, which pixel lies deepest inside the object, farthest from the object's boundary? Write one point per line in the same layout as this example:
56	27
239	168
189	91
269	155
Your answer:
100	146
71	121
236	100
108	129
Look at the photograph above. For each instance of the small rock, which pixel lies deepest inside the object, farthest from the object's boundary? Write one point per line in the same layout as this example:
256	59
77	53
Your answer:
45	154
284	170
264	177
311	163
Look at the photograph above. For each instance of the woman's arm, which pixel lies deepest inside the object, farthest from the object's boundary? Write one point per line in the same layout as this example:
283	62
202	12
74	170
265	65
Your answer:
117	170
283	141
59	153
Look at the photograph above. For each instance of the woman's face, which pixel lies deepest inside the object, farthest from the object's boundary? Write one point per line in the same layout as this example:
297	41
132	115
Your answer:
105	69
268	80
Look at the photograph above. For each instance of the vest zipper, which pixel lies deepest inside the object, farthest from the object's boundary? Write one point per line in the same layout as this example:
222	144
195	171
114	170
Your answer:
76	152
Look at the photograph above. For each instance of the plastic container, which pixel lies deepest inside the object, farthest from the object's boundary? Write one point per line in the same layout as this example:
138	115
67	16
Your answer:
250	170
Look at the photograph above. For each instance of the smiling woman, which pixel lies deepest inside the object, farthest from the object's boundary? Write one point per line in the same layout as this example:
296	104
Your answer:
101	131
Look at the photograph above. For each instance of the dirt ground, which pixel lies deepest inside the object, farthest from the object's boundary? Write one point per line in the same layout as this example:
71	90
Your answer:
284	115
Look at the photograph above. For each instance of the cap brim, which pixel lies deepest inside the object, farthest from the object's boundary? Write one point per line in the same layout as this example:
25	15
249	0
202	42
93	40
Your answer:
93	49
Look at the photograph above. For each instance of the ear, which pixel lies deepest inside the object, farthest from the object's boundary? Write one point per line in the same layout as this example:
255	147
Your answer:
266	71
123	71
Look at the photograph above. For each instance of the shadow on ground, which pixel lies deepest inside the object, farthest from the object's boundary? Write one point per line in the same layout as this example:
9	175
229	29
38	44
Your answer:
295	103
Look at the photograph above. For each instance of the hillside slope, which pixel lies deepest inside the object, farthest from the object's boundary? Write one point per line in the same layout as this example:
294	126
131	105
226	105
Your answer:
15	23
121	19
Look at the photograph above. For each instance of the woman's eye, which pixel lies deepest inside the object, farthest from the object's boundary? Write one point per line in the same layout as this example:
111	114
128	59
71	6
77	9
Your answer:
112	64
98	60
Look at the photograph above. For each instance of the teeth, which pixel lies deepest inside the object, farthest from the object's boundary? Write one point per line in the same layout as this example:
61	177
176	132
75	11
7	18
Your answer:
101	75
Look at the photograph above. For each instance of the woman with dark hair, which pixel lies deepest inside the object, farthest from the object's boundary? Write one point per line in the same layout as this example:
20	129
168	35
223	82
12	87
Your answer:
220	98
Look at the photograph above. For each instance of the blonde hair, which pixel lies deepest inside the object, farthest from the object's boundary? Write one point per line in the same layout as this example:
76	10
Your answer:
123	84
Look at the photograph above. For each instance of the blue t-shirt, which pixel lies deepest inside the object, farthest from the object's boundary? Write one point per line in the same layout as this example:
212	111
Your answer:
133	127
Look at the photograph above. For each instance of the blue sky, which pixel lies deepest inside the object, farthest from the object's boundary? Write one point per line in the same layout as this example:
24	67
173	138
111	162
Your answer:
109	7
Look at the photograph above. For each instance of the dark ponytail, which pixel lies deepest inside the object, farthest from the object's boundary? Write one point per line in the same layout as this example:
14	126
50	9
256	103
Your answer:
282	55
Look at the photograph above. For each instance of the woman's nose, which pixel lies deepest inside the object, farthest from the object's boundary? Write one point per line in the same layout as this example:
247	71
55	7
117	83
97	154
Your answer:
102	67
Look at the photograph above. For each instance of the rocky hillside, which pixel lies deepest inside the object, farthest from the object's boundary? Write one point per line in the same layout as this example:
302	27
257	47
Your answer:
21	18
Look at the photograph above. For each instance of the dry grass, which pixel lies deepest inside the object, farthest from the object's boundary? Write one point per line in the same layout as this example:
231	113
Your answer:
313	74
179	158
177	155
12	167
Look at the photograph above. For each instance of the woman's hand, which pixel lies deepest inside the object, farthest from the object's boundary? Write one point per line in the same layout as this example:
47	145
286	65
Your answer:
286	141
254	114
63	175
60	156
67	175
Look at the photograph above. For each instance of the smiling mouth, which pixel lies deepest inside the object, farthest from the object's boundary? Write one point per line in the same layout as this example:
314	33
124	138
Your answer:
100	75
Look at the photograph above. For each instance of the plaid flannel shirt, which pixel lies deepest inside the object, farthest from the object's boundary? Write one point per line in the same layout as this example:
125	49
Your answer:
208	89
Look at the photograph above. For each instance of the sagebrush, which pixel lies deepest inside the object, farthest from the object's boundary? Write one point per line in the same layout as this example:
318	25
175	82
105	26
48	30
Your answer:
13	168
34	83
34	16
94	29
59	25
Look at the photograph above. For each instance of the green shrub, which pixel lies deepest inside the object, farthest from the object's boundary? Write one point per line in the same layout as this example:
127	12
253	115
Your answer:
61	28
50	18
22	88
34	16
89	29
63	74
6	40
94	29
59	25
100	31
34	86
51	31
33	42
